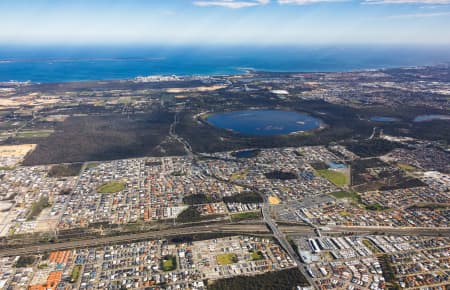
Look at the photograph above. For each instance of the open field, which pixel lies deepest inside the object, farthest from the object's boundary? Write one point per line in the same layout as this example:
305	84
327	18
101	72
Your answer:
111	187
169	263
226	259
34	133
16	150
335	177
246	216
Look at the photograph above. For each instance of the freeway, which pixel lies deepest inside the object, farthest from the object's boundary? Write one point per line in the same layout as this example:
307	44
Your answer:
396	231
283	242
253	229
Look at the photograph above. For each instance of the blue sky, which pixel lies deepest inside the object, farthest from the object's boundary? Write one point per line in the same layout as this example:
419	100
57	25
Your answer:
225	21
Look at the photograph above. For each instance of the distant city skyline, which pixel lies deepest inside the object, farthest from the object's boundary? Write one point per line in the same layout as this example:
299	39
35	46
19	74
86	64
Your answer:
274	22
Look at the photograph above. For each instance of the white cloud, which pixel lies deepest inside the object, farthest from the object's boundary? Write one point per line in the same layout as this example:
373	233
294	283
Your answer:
419	15
304	2
231	3
427	2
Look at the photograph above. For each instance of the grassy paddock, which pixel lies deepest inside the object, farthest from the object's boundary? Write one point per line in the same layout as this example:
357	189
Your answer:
226	259
335	177
169	263
111	187
246	215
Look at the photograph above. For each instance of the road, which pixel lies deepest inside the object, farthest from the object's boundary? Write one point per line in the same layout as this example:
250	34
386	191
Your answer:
279	236
395	231
173	134
283	242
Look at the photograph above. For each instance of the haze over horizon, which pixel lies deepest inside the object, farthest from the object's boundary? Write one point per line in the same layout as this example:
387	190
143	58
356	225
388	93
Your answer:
262	22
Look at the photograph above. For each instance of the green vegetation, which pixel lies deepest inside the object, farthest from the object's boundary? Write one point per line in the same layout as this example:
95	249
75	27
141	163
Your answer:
178	173
335	177
111	187
42	266
319	165
256	256
244	197
347	194
169	263
433	206
65	170
75	274
285	279
406	167
357	199
200	198
282	175
25	261
371	246
388	271
226	259
374	147
34	133
242	174
37	207
7	168
91	165
189	215
375	207
250	215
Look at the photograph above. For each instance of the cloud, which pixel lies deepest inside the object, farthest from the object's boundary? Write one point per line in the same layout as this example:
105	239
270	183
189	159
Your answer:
427	2
304	2
231	3
419	15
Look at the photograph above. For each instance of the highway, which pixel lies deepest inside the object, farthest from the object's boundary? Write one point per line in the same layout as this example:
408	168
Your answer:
252	229
283	242
395	231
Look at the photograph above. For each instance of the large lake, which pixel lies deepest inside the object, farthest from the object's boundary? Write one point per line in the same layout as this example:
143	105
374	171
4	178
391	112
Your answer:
426	118
264	122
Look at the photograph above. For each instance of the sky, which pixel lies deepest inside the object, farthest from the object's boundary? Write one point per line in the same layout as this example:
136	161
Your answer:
269	22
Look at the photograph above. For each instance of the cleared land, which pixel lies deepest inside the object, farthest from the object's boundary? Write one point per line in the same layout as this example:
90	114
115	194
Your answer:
335	177
250	215
226	259
111	187
169	263
346	194
256	256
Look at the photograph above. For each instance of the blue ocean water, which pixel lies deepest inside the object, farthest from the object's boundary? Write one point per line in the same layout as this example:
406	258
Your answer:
77	63
264	122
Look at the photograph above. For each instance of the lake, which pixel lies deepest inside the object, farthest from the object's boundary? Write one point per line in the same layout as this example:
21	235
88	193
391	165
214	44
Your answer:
383	119
264	122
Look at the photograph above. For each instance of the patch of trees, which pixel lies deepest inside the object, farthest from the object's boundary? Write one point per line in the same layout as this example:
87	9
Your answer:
189	215
282	175
372	148
37	207
65	170
25	261
404	182
280	280
199	198
244	197
319	165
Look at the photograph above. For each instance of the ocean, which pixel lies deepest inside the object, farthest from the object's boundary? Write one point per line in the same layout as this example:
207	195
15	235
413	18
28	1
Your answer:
80	63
